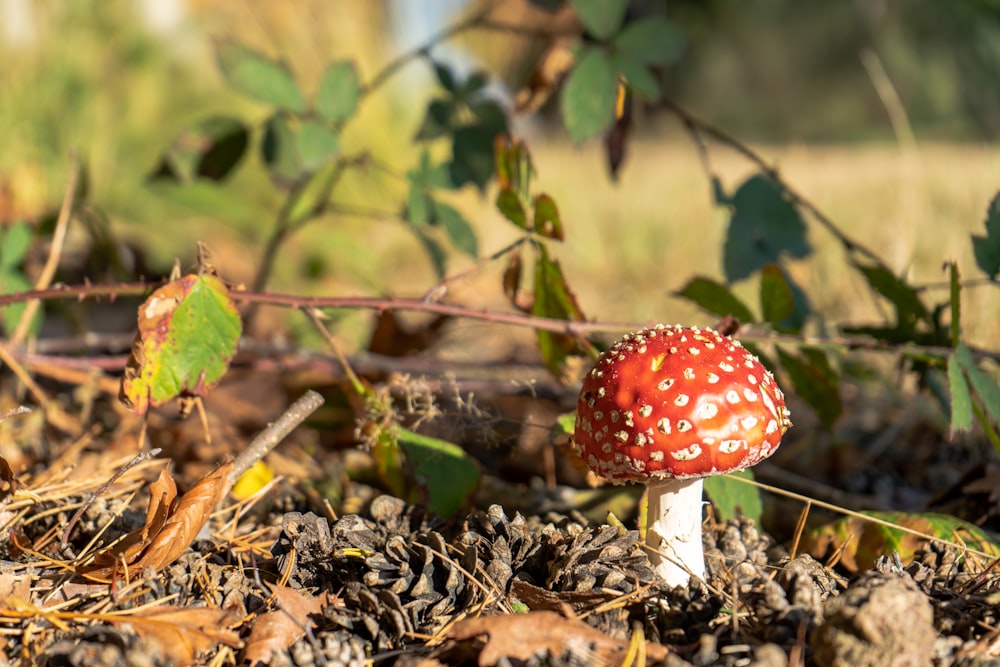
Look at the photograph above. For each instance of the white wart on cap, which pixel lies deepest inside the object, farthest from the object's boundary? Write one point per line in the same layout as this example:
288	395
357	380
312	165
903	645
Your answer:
678	402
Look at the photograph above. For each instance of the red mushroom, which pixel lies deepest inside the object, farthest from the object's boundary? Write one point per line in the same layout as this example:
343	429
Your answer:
668	406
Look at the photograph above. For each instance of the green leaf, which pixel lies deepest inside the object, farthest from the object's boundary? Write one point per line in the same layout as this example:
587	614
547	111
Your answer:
651	41
715	298
814	381
445	76
987	248
339	92
473	85
255	75
445	477
439	120
12	282
510	206
601	18
514	170
961	401
547	220
419	206
763	227
776	300
732	498
428	175
211	149
719	195
188	331
472	155
317	145
565	426
861	542
984	385
458	229
906	300
15	245
637	77
588	97
280	151
434	252
554	299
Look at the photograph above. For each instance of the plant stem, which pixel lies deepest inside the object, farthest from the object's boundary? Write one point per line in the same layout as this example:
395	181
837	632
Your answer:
673	530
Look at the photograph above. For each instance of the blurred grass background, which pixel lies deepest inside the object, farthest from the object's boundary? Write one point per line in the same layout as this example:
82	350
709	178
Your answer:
116	81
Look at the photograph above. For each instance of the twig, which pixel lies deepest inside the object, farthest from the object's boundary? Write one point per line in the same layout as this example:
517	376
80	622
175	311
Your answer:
423	50
356	384
699	126
567	327
436	292
55	252
139	458
269	438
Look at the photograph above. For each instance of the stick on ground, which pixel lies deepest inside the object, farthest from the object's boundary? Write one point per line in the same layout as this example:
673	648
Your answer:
269	438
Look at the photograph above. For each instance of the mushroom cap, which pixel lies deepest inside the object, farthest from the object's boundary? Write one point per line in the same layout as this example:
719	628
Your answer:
681	402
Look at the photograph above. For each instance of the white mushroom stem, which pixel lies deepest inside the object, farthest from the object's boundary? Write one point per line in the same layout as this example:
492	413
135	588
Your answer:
673	530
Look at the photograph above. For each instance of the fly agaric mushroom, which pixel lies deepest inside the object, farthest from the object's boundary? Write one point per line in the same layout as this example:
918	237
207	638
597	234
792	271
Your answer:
668	406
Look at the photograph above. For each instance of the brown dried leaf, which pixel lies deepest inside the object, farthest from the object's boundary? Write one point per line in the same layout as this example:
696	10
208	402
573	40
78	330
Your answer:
162	495
188	518
279	629
7	475
519	637
182	632
171	525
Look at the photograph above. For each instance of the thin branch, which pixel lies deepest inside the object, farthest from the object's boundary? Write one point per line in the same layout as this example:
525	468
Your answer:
699	126
567	327
345	366
423	50
269	438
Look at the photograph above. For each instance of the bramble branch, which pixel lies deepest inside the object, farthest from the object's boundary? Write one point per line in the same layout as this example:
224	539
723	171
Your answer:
566	327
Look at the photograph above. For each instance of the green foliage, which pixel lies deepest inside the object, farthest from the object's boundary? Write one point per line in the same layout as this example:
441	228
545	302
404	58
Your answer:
210	149
987	248
471	120
444	476
715	298
188	331
815	381
260	78
764	227
905	300
554	299
588	97
961	401
551	296
732	498
651	41
14	246
601	18
339	92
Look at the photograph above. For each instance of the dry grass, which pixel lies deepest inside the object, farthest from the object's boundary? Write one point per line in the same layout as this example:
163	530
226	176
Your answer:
629	245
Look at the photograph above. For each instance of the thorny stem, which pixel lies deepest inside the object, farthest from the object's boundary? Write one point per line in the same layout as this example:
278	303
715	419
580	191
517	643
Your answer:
567	327
275	432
